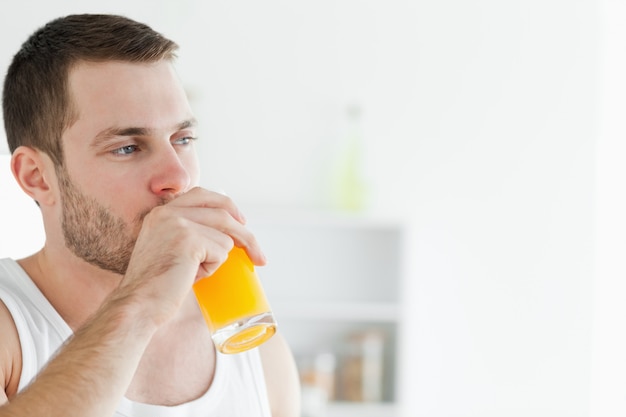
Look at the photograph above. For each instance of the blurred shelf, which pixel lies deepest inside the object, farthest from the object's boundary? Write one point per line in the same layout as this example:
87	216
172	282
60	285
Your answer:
348	409
357	312
334	282
301	218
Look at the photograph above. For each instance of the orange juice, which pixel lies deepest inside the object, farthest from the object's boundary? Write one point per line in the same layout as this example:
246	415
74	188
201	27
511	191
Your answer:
234	305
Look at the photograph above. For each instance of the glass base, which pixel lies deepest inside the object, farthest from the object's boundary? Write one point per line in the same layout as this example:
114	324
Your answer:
245	334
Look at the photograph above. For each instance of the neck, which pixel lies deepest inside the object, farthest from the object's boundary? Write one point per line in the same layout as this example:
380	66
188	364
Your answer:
75	288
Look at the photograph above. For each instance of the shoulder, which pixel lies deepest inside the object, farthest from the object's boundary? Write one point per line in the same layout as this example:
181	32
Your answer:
10	353
281	377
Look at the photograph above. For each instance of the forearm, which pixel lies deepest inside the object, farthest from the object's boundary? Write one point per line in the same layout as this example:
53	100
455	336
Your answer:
92	371
187	238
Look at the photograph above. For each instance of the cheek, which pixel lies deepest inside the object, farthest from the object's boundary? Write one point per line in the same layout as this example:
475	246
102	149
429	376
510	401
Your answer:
122	200
124	189
192	165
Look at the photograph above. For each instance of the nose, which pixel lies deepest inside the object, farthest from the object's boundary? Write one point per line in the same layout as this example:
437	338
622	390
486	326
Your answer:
170	176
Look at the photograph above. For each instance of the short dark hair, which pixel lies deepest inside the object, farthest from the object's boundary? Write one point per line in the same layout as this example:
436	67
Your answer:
36	102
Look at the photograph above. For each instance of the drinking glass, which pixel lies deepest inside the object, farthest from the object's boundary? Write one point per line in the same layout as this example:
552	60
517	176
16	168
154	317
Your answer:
234	305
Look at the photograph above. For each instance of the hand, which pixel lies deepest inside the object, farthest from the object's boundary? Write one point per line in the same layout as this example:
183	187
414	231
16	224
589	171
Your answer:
183	240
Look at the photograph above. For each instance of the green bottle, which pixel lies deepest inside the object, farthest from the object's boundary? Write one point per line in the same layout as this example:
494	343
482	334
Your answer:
350	187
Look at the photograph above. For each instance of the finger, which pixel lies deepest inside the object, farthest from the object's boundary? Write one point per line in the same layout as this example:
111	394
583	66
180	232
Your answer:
200	197
220	220
217	247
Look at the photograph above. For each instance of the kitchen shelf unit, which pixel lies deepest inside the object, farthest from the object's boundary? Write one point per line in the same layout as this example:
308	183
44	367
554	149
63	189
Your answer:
332	278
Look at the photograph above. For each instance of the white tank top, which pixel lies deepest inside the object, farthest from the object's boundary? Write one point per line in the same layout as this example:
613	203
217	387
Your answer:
238	387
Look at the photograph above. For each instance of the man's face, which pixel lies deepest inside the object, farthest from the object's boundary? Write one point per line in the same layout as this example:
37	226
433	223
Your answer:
129	151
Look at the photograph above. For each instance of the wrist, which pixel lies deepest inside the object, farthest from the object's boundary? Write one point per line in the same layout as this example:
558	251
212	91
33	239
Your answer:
127	314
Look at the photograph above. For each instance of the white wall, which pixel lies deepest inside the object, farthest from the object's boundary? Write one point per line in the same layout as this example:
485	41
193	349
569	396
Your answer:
609	338
503	124
480	127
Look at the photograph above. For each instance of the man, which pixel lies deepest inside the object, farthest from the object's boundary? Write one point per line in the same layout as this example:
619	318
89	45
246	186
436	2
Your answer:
101	136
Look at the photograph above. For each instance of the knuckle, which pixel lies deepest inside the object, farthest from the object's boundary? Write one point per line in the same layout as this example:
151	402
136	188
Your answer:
158	213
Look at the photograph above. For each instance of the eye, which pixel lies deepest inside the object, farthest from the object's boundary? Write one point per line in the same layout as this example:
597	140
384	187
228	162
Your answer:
184	140
125	150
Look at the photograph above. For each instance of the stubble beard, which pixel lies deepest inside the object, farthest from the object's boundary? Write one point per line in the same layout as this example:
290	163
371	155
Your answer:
92	232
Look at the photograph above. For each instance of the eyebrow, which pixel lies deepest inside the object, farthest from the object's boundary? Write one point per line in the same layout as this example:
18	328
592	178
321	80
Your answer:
113	132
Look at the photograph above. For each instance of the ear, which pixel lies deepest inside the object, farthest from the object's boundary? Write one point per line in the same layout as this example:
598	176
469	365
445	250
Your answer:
33	171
